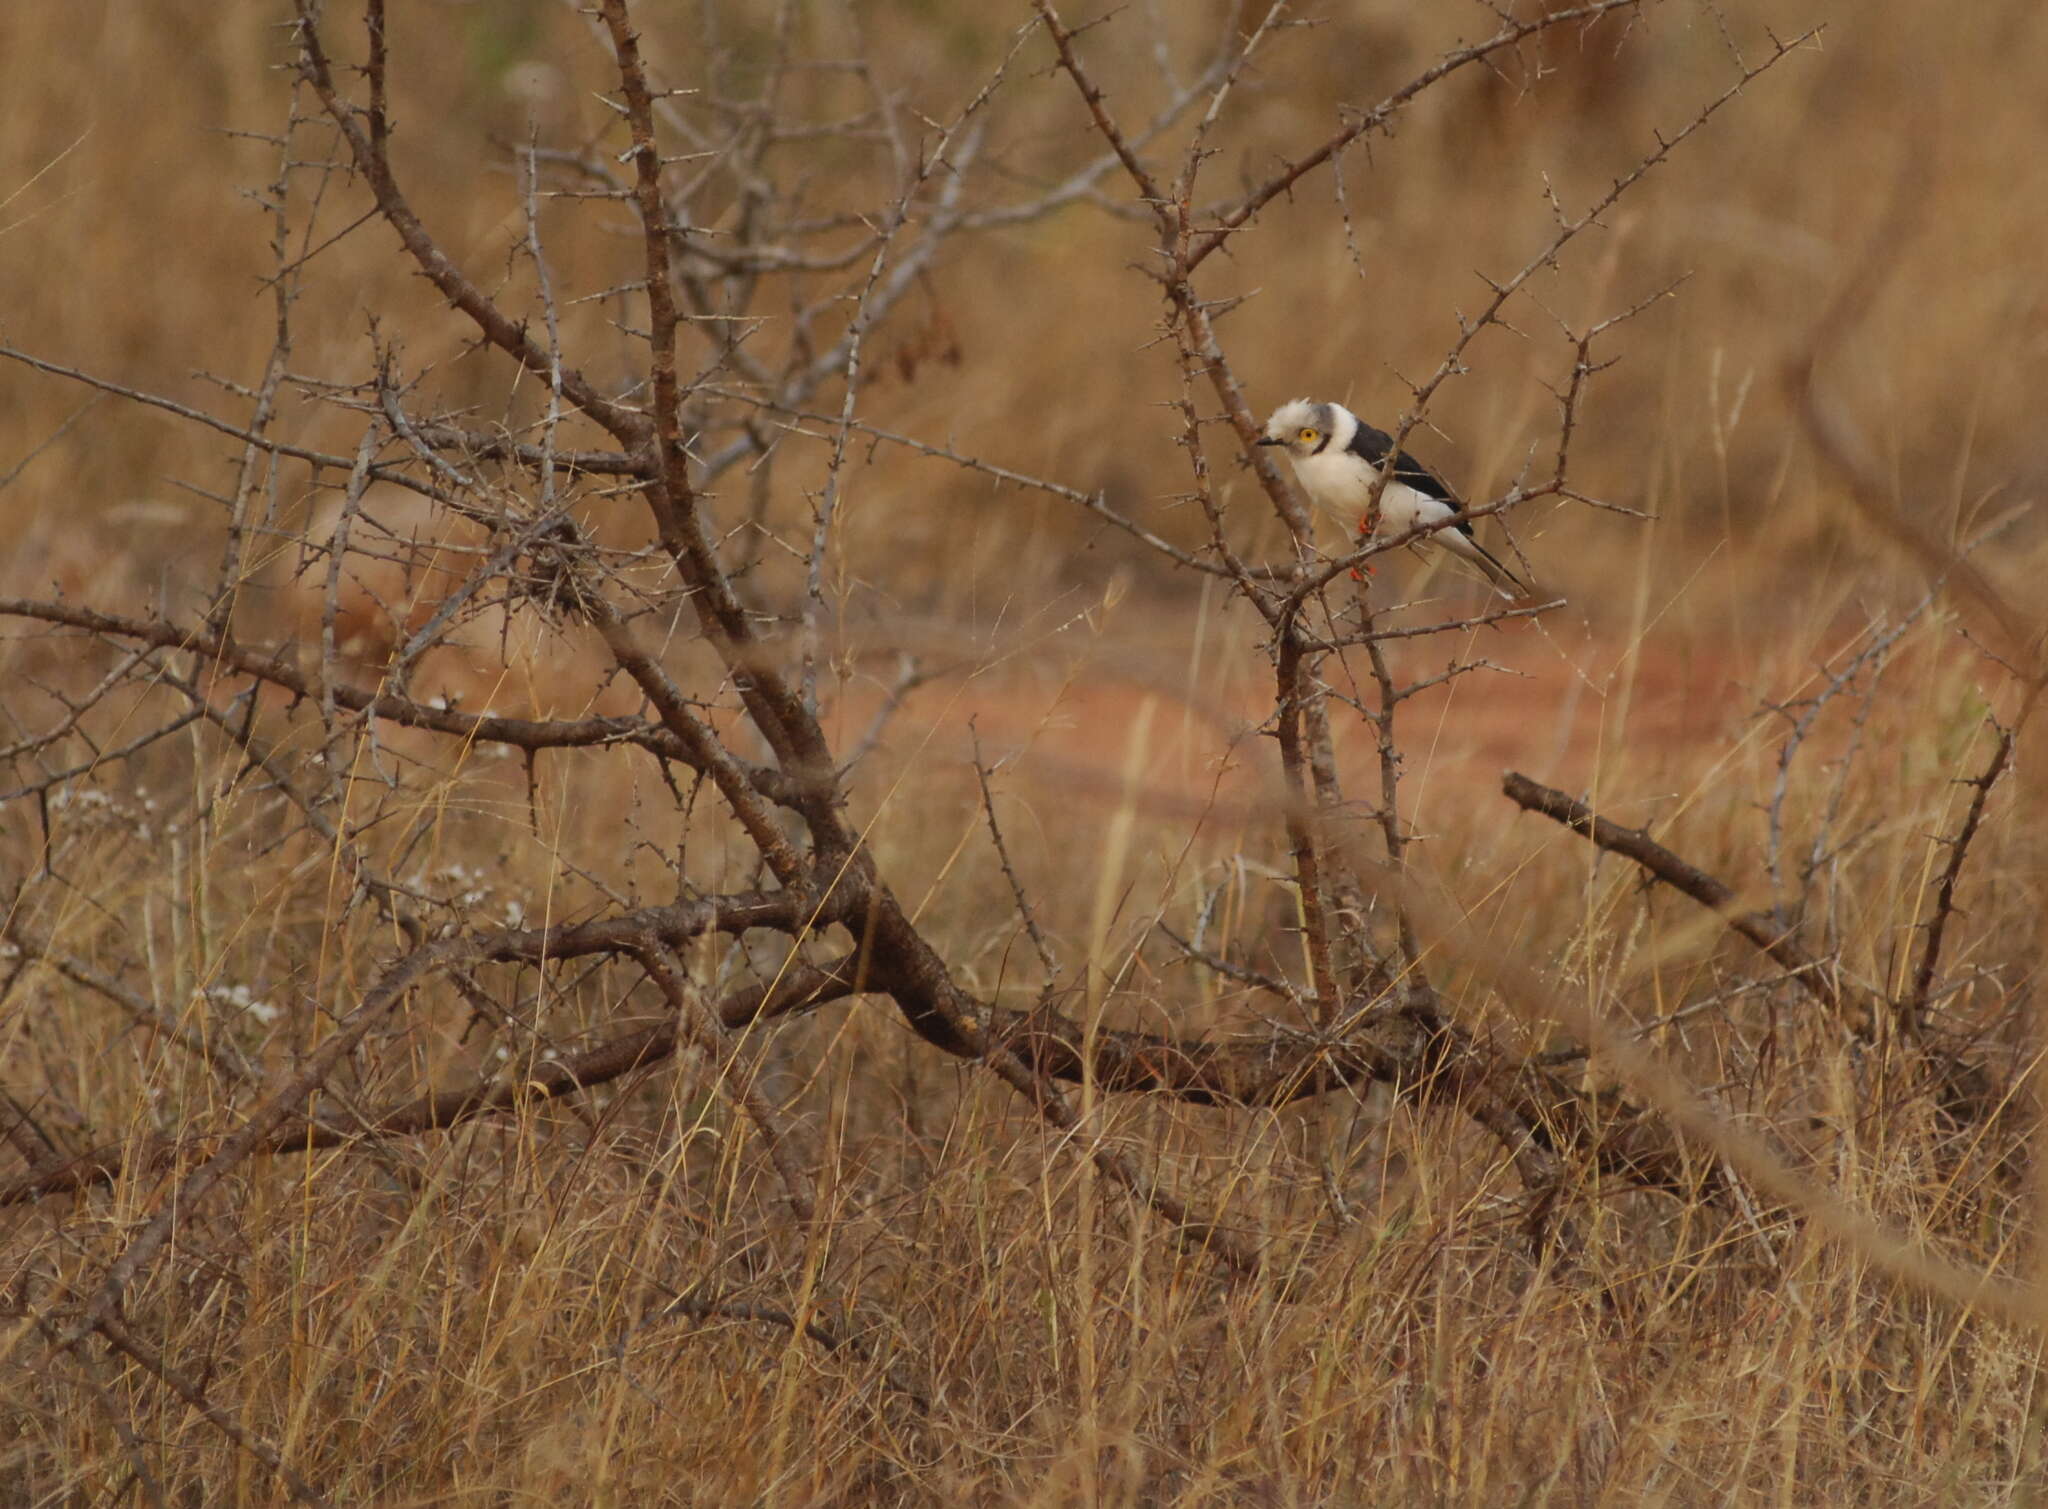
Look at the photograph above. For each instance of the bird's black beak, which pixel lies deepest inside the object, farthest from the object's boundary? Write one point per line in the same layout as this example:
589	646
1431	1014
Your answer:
1268	440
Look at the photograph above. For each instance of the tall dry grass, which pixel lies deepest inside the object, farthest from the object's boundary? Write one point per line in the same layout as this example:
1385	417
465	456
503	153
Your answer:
464	1318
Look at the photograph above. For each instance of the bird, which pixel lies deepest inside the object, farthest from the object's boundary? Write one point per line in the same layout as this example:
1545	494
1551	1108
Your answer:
1337	456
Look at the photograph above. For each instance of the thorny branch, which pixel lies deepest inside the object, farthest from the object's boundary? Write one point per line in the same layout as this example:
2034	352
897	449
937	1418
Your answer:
1186	237
1912	1007
725	705
1851	1004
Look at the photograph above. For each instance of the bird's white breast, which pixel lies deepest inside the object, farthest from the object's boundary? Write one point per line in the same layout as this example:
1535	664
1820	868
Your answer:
1340	483
1336	481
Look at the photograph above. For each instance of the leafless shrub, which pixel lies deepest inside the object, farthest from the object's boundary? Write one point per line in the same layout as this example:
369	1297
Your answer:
634	565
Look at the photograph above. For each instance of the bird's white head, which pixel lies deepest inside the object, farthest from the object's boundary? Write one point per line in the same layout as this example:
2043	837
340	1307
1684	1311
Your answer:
1306	427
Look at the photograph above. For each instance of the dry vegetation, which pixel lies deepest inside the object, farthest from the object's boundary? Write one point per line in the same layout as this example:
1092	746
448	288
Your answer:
828	920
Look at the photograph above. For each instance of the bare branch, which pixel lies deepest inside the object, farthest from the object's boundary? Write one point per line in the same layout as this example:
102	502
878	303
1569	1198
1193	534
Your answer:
1512	32
400	978
1912	1010
120	1337
1024	910
223	653
1851	1004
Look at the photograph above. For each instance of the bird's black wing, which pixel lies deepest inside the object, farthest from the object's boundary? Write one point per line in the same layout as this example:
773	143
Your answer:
1374	444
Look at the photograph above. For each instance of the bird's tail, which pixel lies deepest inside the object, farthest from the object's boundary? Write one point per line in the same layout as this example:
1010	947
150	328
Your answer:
1485	563
1495	571
1461	546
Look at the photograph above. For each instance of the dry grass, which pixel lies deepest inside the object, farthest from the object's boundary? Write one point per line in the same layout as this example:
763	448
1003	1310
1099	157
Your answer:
478	1316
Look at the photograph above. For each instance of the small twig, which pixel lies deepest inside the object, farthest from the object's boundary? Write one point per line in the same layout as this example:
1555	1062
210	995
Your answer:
1840	680
1450	673
1492	616
337	555
222	654
910	675
38	1149
1340	1207
286	283
1569	229
1911	1011
101	760
707	1307
511	336
600	461
1039	941
1242	974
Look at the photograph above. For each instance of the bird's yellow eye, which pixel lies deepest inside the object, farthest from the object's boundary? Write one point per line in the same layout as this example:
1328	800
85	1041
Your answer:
1307	437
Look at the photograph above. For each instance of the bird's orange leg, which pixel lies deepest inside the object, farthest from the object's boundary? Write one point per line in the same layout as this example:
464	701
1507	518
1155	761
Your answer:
1366	526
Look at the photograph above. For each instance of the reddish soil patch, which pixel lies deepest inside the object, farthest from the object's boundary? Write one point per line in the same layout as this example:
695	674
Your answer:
1088	735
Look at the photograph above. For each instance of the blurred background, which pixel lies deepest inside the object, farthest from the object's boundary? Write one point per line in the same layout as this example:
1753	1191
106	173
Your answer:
134	244
1126	697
